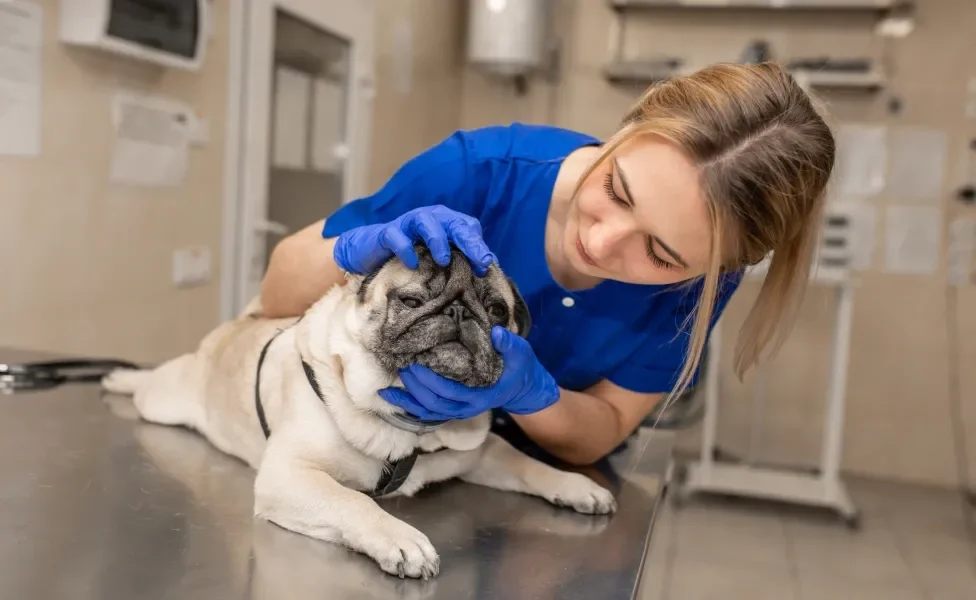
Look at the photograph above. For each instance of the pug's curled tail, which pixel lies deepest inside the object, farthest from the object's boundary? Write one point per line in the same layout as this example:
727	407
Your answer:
125	381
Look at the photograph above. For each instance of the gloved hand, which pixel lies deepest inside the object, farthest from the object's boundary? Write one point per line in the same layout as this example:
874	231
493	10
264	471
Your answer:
364	249
524	386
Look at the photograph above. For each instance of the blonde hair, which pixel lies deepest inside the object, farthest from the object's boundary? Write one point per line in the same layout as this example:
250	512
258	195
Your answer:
764	156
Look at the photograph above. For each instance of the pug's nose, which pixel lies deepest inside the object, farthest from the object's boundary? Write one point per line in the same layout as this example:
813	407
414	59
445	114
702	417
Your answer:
458	311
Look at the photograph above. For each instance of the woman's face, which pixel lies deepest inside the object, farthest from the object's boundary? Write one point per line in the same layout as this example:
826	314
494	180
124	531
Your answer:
640	217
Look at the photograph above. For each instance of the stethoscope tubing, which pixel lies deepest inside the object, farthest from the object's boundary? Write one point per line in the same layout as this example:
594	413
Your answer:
52	373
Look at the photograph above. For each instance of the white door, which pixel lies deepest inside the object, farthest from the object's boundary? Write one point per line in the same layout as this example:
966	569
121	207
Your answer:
307	81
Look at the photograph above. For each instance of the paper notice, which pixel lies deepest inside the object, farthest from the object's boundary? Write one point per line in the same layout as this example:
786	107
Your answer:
918	163
912	239
152	137
292	97
862	158
21	39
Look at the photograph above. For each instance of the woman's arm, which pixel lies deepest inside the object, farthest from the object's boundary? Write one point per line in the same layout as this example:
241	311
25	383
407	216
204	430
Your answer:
301	270
583	427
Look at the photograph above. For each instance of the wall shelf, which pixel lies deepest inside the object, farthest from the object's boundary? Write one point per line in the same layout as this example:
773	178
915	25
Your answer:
866	81
647	73
878	6
640	72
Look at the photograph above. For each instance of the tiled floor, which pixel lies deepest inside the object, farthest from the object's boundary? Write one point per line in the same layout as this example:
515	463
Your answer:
913	545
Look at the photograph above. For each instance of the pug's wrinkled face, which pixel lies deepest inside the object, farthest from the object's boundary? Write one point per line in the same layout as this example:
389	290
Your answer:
440	317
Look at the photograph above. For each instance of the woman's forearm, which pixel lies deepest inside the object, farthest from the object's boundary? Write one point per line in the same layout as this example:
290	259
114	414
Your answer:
301	270
579	429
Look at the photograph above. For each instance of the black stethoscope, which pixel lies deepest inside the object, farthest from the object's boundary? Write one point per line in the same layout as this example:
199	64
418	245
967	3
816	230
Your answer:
44	375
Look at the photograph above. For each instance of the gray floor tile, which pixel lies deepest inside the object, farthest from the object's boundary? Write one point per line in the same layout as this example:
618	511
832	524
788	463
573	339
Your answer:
868	558
734	544
734	533
762	518
696	580
945	569
841	589
913	546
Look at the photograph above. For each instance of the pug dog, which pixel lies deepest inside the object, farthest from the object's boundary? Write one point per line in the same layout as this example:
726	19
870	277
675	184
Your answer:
297	400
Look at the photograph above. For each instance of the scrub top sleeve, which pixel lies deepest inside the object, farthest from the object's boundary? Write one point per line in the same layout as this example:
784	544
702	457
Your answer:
439	175
654	368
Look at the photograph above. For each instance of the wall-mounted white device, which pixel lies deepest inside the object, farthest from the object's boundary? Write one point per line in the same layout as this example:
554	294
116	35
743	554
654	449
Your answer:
171	33
507	37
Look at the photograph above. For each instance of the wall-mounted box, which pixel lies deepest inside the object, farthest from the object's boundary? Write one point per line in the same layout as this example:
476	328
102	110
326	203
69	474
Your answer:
171	33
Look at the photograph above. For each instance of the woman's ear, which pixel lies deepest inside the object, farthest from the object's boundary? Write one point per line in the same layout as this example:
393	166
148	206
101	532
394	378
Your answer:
523	320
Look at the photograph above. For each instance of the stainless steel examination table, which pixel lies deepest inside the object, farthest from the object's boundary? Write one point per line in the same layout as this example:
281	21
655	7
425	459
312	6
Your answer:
95	504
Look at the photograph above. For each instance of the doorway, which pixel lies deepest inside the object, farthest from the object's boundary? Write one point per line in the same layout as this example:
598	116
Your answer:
303	89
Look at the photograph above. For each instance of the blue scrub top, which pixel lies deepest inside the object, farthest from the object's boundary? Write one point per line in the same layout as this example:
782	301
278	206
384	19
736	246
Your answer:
504	176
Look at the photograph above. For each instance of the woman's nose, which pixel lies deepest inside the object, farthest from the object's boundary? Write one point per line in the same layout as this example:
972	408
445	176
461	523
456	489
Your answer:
604	238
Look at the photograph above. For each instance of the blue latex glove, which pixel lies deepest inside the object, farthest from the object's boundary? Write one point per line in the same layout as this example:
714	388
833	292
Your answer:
524	386
364	249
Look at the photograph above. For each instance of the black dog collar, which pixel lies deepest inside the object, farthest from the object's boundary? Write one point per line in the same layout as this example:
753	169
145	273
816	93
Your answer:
395	472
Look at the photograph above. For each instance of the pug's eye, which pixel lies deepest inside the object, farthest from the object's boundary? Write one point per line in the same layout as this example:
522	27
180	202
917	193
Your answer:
411	302
497	311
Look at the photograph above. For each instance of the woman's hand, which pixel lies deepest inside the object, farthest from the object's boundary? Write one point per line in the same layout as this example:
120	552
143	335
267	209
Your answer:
364	249
524	386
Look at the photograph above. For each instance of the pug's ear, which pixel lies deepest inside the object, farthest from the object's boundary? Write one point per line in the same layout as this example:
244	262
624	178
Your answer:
358	284
523	320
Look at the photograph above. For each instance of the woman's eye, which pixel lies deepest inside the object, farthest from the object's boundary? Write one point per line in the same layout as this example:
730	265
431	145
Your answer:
411	302
657	260
608	186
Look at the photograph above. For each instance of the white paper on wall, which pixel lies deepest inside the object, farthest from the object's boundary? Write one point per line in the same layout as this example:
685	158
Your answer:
21	40
862	157
293	93
327	126
152	140
912	239
918	163
961	251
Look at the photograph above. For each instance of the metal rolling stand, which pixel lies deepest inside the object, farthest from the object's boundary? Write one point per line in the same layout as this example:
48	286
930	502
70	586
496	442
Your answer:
818	487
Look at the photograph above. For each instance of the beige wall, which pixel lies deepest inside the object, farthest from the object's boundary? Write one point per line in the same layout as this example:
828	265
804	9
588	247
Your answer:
86	264
418	84
898	416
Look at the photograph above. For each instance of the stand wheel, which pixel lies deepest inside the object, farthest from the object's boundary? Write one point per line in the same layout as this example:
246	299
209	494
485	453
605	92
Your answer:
719	455
853	522
680	474
679	497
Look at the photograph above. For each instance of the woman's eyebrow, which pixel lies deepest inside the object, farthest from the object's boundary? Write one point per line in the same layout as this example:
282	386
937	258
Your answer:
630	200
623	181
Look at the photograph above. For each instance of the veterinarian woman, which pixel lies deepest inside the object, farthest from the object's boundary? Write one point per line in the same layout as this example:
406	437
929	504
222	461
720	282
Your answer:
626	250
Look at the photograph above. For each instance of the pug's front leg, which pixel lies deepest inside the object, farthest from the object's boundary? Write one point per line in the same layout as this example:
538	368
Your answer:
304	498
504	468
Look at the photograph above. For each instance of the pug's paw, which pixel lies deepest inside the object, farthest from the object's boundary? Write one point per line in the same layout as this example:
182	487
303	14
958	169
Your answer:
400	549
582	494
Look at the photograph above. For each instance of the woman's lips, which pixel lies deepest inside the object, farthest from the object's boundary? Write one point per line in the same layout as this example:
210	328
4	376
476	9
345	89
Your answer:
582	252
